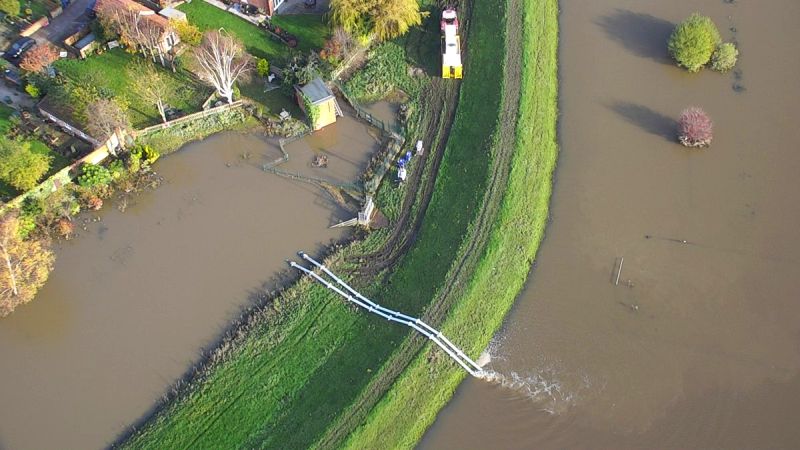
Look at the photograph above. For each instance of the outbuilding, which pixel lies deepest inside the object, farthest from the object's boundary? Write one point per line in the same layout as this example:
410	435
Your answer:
318	103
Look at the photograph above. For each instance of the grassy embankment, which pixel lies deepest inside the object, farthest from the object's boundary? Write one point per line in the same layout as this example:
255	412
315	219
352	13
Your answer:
411	405
297	364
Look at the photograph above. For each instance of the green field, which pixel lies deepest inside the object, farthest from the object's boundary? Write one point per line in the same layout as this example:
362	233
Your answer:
109	73
410	407
311	29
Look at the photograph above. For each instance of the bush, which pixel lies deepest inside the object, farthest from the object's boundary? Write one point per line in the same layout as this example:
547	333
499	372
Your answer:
695	128
188	33
94	175
262	67
32	90
10	7
693	42
724	57
20	166
386	71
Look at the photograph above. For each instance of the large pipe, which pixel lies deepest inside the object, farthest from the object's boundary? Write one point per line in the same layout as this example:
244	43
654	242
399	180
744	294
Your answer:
415	323
453	347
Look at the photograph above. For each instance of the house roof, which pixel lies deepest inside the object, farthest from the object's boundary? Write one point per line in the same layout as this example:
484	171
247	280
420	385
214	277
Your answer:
316	91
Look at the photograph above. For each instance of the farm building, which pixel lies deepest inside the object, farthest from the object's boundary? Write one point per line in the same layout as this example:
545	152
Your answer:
317	95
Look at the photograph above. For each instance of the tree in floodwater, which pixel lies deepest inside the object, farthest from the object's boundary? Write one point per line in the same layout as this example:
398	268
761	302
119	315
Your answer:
693	42
220	61
695	128
24	266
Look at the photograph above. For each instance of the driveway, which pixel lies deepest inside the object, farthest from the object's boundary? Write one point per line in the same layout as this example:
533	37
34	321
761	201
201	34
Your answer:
71	20
299	7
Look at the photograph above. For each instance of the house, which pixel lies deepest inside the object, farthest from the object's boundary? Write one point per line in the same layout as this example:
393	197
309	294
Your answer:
138	18
317	95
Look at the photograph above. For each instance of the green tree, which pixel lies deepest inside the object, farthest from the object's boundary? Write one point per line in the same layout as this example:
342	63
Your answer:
24	266
10	7
20	166
386	19
693	42
724	57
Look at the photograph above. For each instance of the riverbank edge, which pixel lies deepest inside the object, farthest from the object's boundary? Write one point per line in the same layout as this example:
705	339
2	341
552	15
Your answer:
425	387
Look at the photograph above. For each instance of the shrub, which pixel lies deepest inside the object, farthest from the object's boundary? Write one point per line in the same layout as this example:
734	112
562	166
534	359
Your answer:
262	67
20	166
32	90
188	33
724	57
10	7
386	71
94	175
693	42
695	128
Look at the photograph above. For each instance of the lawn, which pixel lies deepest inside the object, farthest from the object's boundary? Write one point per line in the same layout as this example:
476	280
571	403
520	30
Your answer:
110	73
307	358
311	29
256	40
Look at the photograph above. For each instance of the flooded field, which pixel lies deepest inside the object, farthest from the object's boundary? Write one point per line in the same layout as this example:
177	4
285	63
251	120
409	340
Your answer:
134	299
697	345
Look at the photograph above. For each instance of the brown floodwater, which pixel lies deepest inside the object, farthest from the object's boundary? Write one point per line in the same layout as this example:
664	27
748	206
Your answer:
133	300
698	346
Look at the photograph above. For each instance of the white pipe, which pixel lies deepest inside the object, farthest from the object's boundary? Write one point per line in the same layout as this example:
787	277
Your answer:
412	322
389	311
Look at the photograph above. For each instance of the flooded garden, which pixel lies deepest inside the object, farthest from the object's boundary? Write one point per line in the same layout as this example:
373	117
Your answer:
137	295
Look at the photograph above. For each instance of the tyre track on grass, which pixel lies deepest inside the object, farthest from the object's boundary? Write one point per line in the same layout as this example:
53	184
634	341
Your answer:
474	244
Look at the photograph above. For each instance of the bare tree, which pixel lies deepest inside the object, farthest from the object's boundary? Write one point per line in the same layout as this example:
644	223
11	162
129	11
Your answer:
104	117
152	85
221	60
39	58
137	26
24	266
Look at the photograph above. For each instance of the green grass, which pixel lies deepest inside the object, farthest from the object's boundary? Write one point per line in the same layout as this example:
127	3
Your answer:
311	29
385	71
171	139
257	42
109	72
411	405
6	112
274	100
308	358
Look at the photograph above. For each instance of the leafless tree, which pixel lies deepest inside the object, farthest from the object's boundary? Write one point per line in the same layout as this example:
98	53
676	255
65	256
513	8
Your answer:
151	84
220	61
104	117
137	26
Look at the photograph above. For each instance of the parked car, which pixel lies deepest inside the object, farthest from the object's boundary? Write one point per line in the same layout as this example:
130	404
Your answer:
18	48
11	77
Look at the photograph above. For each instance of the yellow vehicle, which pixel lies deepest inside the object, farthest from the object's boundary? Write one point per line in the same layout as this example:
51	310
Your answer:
451	45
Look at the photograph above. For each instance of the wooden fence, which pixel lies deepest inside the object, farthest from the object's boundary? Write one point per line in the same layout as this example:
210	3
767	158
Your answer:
190	117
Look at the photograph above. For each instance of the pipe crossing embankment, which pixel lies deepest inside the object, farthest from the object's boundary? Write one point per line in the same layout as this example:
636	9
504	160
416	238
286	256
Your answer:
355	297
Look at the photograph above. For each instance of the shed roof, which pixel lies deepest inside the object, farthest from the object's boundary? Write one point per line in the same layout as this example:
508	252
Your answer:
172	13
316	91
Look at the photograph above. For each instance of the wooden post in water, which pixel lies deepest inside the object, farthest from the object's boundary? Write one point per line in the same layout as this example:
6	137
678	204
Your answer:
619	271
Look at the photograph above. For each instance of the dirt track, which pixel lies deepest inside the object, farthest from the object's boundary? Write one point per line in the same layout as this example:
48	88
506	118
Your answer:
410	221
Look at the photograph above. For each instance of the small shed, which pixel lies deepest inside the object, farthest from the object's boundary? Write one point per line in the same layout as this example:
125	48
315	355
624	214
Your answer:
317	95
173	14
